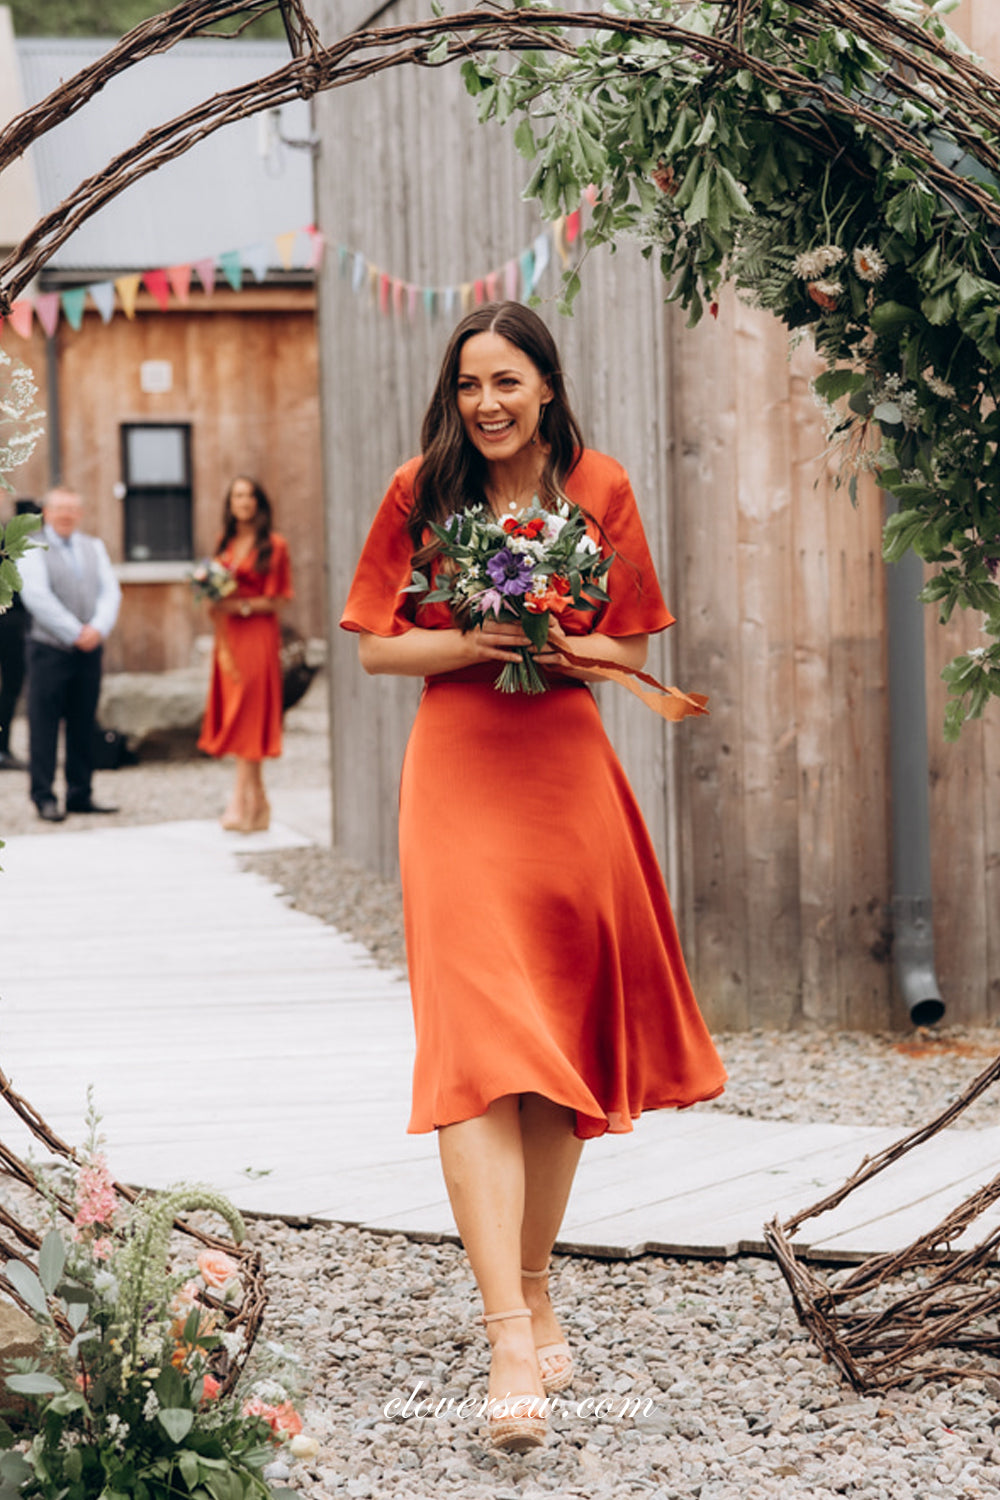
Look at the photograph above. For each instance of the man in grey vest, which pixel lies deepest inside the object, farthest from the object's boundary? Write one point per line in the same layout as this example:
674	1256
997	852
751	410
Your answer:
73	597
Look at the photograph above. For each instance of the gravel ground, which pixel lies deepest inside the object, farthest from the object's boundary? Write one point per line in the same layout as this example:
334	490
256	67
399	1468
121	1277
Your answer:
734	1402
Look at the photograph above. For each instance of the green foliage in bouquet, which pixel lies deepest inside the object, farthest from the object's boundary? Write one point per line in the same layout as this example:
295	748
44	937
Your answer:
127	1398
845	177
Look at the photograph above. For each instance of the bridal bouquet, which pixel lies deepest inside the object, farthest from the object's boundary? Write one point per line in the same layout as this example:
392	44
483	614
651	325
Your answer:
523	568
211	580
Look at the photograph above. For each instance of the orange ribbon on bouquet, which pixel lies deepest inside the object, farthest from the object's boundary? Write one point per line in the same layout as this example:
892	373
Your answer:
669	702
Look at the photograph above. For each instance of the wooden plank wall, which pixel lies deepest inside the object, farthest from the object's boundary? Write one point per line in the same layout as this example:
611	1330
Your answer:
408	180
245	376
772	817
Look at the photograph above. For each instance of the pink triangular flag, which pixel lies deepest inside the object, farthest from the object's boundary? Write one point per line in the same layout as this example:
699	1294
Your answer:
510	279
157	285
180	282
20	317
572	226
47	311
316	246
492	281
206	273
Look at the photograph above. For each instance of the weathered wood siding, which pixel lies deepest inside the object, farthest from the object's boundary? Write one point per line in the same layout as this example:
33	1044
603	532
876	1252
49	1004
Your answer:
772	816
245	376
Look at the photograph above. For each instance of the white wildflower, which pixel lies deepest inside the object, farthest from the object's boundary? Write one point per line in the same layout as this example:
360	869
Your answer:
151	1406
811	264
976	652
271	1392
869	264
118	1430
232	1341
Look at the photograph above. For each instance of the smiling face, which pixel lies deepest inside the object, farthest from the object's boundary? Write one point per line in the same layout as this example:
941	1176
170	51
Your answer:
243	501
501	394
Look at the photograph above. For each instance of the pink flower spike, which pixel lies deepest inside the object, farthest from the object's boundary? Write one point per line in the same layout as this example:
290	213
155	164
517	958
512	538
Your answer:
95	1194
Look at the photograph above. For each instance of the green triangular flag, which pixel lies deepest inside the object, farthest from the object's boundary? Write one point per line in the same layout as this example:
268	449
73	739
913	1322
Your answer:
232	268
72	305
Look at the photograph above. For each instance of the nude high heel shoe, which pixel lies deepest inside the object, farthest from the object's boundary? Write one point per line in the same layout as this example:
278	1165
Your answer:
515	1423
555	1361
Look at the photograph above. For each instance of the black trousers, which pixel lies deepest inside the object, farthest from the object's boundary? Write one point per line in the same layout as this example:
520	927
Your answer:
13	624
62	685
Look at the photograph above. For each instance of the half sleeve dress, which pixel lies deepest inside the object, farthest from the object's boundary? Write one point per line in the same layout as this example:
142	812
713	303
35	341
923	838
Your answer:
542	950
244	708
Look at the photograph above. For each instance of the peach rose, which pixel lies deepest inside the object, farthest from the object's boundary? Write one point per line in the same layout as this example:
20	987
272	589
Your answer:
217	1267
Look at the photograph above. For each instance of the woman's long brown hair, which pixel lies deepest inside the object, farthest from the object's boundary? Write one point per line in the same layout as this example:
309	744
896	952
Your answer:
263	521
453	473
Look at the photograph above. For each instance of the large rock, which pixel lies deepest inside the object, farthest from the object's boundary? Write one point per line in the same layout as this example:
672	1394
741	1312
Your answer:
20	1338
160	712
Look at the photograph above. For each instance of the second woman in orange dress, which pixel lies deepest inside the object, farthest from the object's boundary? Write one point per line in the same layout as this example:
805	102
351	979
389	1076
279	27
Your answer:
244	709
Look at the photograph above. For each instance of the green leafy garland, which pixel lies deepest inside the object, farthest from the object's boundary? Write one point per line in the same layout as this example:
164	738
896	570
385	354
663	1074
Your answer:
844	177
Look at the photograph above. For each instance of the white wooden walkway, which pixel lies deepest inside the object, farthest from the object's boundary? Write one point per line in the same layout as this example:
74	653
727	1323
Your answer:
232	1040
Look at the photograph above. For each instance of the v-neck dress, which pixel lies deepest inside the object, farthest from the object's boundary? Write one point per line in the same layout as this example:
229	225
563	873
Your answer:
542	951
243	711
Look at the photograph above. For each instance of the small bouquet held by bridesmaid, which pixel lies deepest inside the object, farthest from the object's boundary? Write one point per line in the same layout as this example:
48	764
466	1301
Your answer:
522	569
211	580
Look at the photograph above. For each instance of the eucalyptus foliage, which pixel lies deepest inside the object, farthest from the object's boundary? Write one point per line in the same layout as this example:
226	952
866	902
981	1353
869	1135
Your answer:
803	179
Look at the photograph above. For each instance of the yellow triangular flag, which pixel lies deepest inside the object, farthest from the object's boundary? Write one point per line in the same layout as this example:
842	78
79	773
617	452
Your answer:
286	247
465	292
127	288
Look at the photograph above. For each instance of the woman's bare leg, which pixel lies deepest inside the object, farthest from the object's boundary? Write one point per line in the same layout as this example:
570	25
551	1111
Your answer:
483	1164
248	804
551	1156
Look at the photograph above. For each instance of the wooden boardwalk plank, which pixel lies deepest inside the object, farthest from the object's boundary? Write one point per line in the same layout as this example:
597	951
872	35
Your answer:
232	1040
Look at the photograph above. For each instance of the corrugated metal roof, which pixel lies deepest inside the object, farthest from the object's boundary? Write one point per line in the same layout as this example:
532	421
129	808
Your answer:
224	194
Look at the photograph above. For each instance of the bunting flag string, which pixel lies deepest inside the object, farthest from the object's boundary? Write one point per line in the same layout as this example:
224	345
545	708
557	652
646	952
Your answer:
395	297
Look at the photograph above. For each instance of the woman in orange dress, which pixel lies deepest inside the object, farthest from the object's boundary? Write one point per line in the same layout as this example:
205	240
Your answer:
551	1002
243	712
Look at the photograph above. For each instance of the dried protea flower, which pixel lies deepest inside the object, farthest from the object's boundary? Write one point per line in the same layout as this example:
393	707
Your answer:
826	294
869	264
940	387
666	179
811	264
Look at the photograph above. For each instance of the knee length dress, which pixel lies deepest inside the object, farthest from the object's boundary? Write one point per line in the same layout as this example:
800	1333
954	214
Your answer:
243	711
542	951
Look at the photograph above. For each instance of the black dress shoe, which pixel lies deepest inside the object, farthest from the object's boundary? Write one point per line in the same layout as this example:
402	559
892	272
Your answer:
9	762
51	811
89	807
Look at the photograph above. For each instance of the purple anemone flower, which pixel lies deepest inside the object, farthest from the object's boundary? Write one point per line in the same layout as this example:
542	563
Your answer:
511	573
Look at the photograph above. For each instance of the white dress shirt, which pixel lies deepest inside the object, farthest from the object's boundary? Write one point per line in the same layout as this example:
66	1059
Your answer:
50	612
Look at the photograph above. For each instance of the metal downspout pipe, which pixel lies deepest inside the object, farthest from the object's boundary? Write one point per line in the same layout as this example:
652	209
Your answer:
913	935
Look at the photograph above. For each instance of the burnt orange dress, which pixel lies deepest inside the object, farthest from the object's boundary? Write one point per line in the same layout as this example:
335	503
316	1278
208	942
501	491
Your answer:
542	950
243	712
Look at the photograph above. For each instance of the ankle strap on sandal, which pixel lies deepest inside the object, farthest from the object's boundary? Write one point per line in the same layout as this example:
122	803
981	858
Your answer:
515	1312
534	1275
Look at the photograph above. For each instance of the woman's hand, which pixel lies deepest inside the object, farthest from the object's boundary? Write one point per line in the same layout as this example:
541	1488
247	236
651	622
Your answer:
617	651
